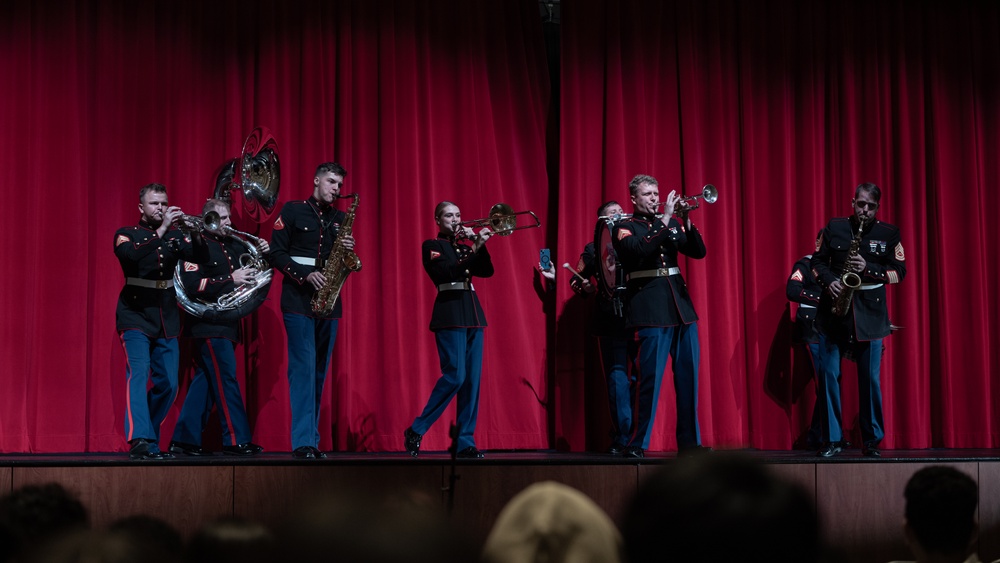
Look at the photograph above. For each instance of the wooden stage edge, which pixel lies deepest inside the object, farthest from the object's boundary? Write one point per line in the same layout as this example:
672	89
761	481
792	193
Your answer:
859	500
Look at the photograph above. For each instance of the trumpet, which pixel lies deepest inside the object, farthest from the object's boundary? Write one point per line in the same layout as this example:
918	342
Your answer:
502	220
187	223
708	193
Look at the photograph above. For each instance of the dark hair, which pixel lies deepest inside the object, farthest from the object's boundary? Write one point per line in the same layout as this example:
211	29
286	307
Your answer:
941	507
331	167
440	208
684	505
869	188
36	514
605	205
155	188
633	186
231	539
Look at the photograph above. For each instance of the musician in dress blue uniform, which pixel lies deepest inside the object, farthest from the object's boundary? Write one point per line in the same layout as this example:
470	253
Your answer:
880	261
457	322
660	309
303	236
615	341
214	381
147	318
801	288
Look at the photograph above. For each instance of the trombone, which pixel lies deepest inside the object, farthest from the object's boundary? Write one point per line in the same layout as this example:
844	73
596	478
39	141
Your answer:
502	220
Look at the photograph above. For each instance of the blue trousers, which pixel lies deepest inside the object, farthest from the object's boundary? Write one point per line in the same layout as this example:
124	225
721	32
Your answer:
617	356
461	354
680	343
148	359
214	384
869	359
310	346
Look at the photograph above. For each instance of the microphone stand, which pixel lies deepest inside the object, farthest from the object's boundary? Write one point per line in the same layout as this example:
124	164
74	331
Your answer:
453	477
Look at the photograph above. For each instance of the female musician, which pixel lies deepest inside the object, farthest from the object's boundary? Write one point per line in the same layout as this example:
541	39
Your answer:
457	322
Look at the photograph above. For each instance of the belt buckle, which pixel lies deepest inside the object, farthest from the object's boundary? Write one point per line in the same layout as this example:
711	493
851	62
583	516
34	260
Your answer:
662	272
161	284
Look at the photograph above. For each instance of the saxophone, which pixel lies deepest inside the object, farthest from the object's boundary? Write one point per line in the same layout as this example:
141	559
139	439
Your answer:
340	263
850	280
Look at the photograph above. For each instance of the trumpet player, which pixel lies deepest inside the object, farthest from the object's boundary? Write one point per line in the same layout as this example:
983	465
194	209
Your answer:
660	309
304	236
147	318
214	381
871	249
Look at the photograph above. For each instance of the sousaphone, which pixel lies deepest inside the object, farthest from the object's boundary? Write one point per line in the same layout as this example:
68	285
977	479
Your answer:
255	174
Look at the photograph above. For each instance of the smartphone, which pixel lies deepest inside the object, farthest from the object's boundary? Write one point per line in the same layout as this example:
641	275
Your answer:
544	259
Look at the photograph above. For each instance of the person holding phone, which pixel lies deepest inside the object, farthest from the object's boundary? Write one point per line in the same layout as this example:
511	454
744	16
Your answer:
451	260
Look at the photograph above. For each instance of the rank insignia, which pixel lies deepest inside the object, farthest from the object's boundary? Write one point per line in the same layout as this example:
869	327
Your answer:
122	239
435	254
279	224
797	276
622	233
203	284
190	267
899	252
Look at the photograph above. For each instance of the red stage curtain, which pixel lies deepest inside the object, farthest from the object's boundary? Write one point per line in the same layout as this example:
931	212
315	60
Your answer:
786	106
420	101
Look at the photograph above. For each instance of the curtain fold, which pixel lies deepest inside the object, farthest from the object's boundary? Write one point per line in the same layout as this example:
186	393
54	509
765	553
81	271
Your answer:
786	107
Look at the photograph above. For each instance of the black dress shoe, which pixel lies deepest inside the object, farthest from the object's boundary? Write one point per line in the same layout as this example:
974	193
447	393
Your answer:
319	454
303	452
187	449
634	452
141	448
470	453
411	441
870	449
831	449
616	449
690	451
242	449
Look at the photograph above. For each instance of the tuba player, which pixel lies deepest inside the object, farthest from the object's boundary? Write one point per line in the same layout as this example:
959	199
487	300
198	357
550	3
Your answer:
214	380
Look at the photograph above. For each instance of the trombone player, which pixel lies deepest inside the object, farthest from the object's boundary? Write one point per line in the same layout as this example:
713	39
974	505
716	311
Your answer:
147	318
457	322
214	380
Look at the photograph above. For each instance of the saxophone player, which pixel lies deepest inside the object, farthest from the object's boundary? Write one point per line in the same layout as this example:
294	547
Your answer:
214	381
872	249
303	237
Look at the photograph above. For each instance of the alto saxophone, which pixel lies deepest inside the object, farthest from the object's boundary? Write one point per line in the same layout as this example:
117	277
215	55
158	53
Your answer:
341	262
848	279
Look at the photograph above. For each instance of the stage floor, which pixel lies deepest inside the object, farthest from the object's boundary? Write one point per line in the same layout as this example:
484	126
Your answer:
859	499
499	457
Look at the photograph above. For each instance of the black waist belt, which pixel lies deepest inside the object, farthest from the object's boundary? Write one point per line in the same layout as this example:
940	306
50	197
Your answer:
657	273
151	284
455	286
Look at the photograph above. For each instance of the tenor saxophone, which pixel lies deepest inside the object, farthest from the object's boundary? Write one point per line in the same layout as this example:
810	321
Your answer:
848	279
339	265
